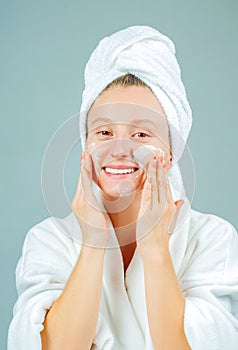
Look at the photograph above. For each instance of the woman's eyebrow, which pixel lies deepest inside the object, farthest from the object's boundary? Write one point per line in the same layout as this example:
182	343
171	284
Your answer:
99	120
143	122
134	121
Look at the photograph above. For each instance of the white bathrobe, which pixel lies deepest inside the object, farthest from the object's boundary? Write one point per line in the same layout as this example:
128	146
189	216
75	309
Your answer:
204	252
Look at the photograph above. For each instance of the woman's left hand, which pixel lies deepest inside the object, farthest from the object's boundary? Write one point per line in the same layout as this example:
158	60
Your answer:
158	212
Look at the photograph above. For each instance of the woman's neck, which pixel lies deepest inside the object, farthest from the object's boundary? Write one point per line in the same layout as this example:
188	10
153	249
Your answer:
123	213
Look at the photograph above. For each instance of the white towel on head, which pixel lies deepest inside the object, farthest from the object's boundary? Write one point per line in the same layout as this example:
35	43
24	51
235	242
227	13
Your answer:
149	55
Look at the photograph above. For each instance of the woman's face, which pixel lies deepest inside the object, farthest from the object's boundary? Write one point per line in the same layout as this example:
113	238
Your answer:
126	127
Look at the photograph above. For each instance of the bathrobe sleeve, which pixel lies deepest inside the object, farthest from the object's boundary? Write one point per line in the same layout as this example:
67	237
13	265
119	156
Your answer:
210	287
47	260
41	274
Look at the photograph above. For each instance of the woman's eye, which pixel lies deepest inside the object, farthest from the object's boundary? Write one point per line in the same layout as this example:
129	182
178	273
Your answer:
104	132
141	135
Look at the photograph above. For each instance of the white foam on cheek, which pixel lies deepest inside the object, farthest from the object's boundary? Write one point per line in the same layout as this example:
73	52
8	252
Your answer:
145	153
91	147
157	150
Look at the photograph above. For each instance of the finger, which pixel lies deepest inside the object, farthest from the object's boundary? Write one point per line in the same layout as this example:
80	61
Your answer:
87	189
154	184
88	165
173	221
85	165
162	184
87	181
78	194
146	192
84	192
83	154
169	193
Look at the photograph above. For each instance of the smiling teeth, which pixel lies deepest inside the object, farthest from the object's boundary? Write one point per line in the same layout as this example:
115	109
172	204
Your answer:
120	171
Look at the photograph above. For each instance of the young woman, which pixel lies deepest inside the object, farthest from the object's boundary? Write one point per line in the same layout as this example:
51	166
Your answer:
133	266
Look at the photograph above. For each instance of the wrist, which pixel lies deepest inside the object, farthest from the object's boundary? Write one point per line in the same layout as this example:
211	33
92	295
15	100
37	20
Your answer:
87	250
154	254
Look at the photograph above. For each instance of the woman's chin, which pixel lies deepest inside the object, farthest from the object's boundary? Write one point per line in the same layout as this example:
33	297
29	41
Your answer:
117	188
114	193
120	195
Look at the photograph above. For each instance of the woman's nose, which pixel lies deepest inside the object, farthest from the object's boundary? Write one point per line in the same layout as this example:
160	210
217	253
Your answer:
121	148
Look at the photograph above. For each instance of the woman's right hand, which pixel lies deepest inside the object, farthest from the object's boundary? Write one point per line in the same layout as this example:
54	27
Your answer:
92	220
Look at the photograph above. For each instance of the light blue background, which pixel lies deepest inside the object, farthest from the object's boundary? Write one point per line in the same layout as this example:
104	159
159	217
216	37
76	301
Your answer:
44	48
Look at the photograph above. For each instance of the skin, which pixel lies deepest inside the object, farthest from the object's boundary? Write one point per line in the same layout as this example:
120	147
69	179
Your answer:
72	319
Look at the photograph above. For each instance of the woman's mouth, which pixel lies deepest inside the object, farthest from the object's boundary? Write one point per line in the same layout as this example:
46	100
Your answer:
119	171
